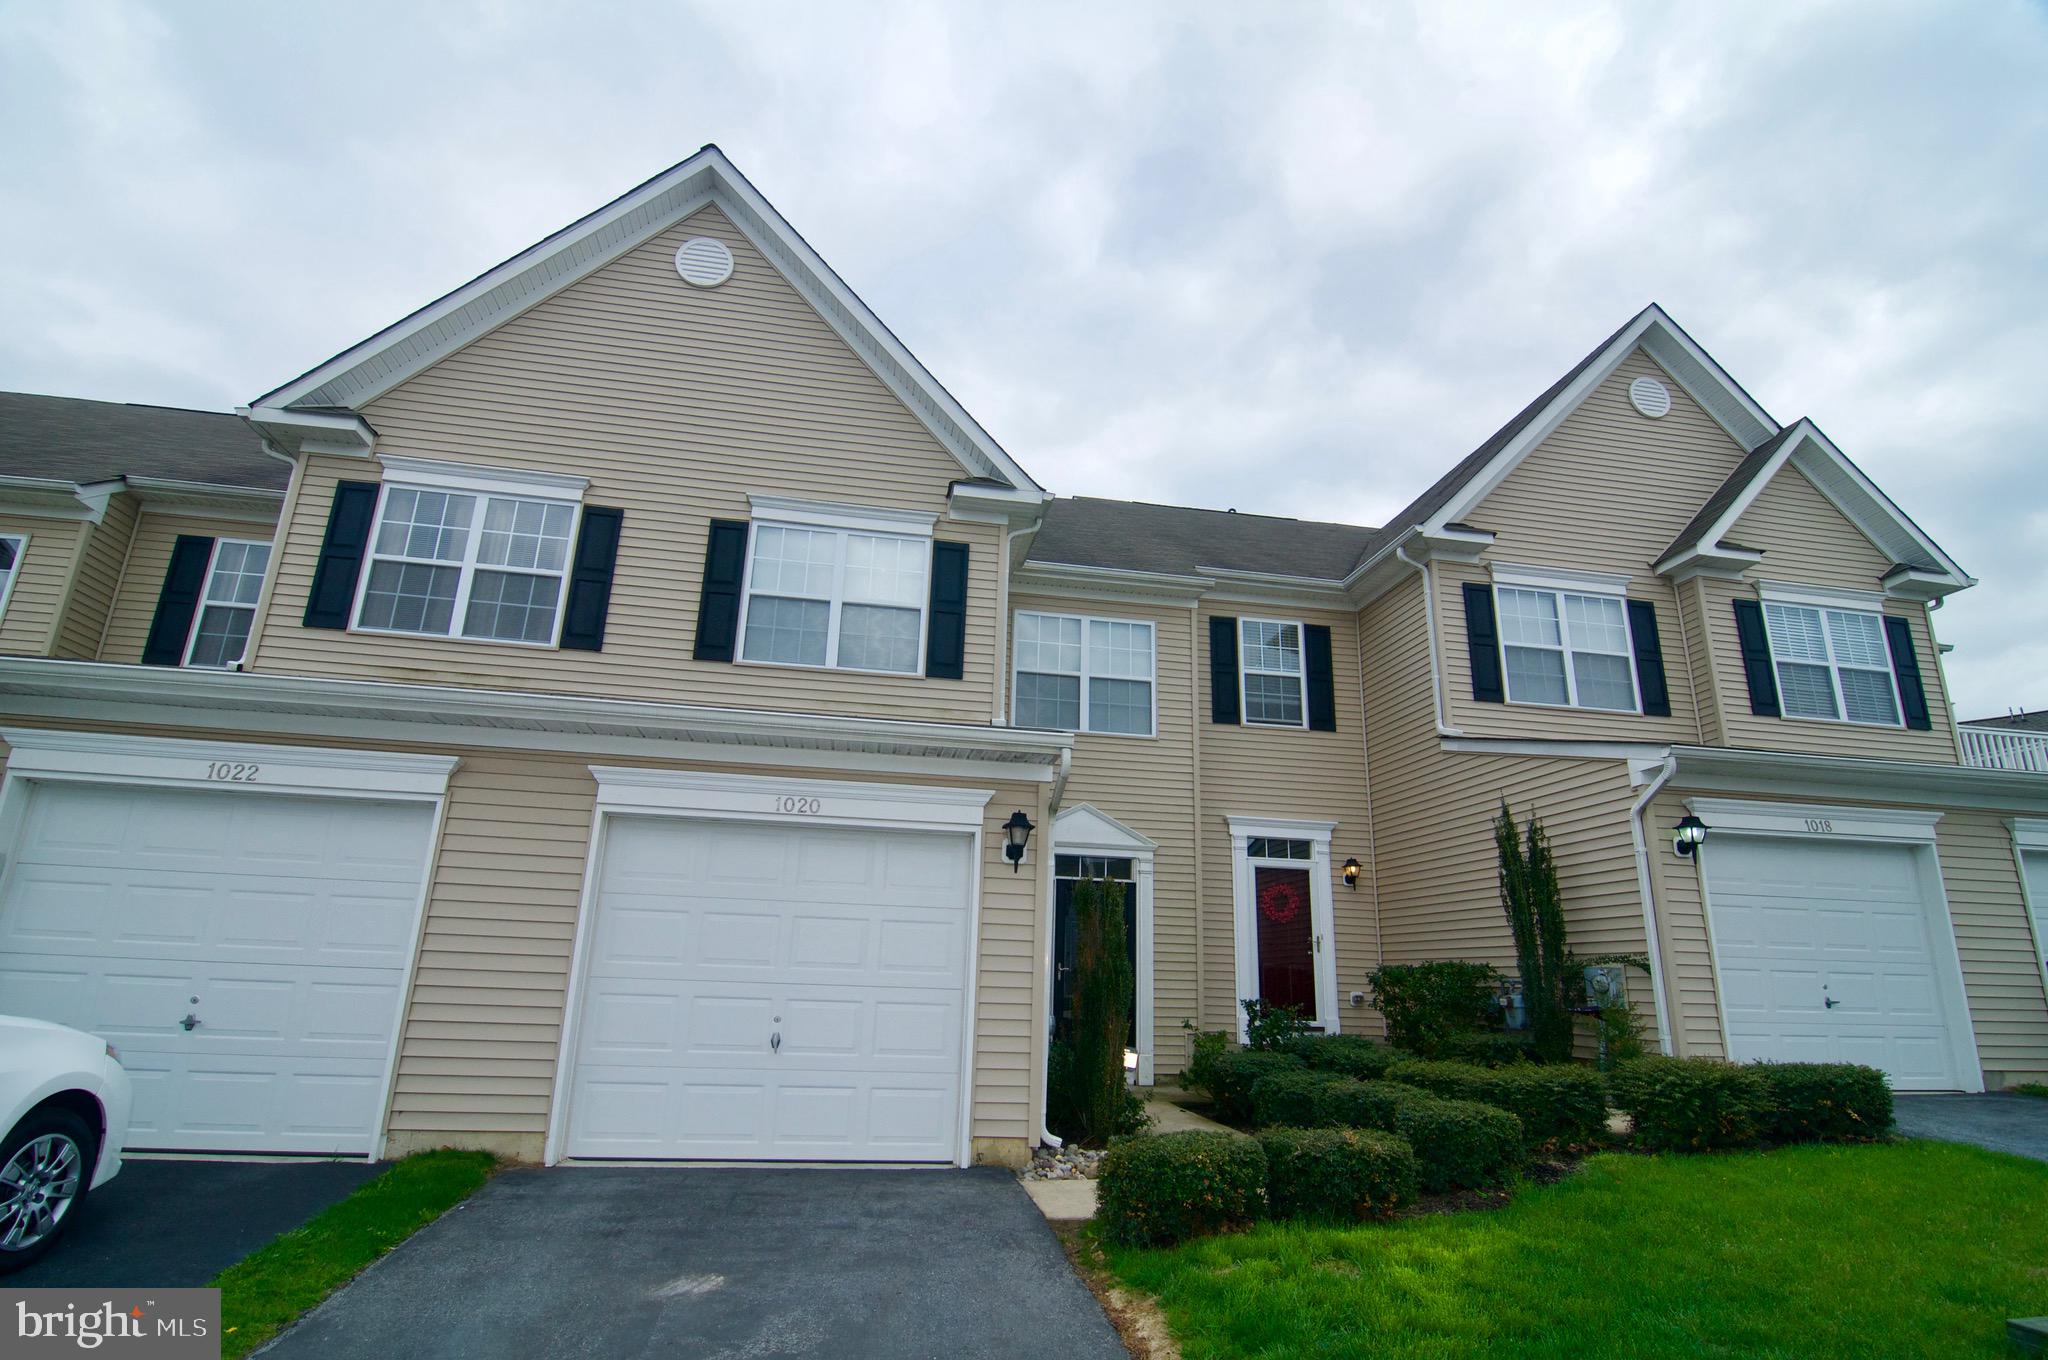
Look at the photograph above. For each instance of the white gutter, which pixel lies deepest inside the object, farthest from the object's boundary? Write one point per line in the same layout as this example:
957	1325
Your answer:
1436	667
1667	767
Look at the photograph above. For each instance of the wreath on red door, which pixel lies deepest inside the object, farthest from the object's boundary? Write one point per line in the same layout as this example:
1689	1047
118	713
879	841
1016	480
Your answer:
1280	901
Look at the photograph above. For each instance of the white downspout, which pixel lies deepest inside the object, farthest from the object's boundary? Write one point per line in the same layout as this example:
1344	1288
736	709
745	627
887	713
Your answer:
999	713
1668	768
1436	665
1059	787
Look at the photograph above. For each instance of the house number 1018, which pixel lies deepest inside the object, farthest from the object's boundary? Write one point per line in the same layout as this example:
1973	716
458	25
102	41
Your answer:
1821	824
803	807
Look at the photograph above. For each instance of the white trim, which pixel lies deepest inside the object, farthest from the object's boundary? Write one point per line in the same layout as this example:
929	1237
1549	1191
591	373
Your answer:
302	432
1109	583
476	479
166	496
55	498
1244	712
726	797
1911	827
1567	648
860	519
2028	833
1085	830
1743	773
1561	747
380	1146
836	602
20	542
1561	579
2030	837
1244	910
205	589
1645	885
175	762
1822	597
1084	675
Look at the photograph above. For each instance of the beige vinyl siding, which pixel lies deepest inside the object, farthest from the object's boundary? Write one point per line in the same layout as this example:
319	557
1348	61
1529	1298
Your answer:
1294	773
1709	700
142	580
676	402
96	579
1433	816
1147	784
1805	539
41	579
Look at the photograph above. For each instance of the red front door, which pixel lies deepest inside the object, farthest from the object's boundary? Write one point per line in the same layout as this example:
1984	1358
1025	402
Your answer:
1286	936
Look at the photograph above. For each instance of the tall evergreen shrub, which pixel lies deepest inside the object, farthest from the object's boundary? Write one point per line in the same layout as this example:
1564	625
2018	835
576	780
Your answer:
1535	911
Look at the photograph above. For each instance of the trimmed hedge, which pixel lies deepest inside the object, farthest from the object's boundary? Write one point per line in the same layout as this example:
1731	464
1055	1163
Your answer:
1562	1103
1349	1055
1459	1144
1337	1175
1825	1102
1489	1048
1691	1104
1232	1075
1153	1191
1288	1098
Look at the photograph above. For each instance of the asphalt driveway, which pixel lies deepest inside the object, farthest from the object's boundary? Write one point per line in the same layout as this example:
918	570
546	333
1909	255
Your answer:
2003	1123
179	1224
718	1263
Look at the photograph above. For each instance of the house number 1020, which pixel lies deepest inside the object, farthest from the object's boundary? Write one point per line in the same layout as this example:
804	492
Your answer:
805	807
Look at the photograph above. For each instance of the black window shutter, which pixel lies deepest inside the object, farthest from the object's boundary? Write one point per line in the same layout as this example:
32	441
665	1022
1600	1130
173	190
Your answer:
178	601
1642	628
1482	644
590	580
1756	659
1906	666
945	645
333	595
1223	707
1322	682
718	603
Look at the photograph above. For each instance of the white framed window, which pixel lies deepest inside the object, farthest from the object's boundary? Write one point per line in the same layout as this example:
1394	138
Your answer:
483	566
227	602
1832	664
833	587
1272	681
1077	674
1566	649
13	547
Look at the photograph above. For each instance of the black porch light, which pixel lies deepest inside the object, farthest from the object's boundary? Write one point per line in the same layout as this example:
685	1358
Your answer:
1016	835
1692	832
1352	869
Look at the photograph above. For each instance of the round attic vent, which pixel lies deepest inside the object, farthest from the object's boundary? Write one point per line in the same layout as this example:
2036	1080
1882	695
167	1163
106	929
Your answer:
703	262
1647	395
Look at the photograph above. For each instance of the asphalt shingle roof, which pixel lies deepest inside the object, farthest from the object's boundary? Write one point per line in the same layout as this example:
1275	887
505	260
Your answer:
2036	721
74	440
1726	494
1137	536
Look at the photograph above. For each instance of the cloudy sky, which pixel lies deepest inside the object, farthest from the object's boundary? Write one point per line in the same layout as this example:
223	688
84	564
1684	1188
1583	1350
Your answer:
1294	259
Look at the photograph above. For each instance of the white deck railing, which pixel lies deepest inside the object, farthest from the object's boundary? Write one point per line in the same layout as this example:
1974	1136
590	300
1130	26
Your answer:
1993	748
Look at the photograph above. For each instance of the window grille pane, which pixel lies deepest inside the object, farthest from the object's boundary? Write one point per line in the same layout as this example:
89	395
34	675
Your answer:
1528	618
1868	696
1859	640
1047	643
223	634
512	608
886	570
529	534
1120	706
237	573
1795	634
1804	691
789	631
407	597
872	638
794	562
1120	650
1272	646
1597	623
1274	700
1535	676
429	524
1052	701
1603	681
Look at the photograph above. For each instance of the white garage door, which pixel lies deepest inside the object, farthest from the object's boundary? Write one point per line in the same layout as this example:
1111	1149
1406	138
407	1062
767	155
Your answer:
282	926
788	993
1826	955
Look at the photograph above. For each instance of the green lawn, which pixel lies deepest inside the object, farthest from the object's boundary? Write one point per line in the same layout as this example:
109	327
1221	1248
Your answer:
266	1290
1907	1249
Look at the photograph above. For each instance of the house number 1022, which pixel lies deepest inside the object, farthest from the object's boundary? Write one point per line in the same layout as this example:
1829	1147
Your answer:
802	807
232	772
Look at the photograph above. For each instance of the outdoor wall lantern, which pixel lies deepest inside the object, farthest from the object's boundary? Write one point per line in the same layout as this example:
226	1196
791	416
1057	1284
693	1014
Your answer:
1692	832
1016	834
1352	868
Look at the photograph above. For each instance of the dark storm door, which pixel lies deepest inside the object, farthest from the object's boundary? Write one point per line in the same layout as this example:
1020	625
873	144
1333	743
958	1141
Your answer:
1068	870
1286	938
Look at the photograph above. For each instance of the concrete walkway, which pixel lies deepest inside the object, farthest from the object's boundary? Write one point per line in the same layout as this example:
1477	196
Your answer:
1173	1110
2003	1123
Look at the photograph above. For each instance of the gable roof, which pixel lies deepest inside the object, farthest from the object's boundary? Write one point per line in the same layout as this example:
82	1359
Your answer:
1746	474
75	440
366	370
1181	541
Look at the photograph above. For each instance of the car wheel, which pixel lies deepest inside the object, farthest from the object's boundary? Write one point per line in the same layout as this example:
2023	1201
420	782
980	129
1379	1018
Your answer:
45	1169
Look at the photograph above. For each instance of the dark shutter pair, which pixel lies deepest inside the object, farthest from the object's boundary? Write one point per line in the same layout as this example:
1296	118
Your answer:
725	569
178	601
1316	661
1755	642
1482	645
347	543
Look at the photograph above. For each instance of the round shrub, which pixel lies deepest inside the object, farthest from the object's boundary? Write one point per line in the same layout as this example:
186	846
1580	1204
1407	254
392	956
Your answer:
1155	1191
1234	1074
1691	1104
1460	1144
1825	1102
1288	1098
1359	1104
1349	1055
1337	1175
1562	1103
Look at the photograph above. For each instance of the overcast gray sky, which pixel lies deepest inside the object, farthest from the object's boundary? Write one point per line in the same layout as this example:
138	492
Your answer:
1294	259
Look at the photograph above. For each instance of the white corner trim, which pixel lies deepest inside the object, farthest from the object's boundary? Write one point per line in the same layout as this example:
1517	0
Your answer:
1281	828
838	515
115	758
1818	821
1821	597
2029	833
1560	578
475	478
806	801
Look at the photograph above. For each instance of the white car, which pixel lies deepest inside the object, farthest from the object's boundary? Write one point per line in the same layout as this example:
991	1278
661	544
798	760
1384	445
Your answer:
64	1106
